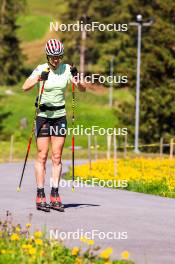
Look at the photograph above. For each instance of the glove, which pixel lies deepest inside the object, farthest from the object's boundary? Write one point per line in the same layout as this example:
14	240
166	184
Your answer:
74	71
44	75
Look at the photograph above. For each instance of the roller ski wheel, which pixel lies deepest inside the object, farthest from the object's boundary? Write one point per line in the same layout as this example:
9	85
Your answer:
55	203
42	205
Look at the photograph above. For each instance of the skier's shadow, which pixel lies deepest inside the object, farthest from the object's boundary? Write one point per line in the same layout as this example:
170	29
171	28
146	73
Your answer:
75	205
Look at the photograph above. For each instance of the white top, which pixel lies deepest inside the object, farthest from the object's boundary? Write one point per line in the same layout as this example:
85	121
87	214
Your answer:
54	88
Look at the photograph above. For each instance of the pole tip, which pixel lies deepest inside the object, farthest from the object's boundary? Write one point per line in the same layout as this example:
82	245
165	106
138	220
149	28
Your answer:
18	189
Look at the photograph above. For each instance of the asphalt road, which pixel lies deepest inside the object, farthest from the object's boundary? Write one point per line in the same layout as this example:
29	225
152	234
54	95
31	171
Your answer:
147	221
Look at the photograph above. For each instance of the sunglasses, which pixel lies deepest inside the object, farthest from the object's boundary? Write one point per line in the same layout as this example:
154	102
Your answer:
56	57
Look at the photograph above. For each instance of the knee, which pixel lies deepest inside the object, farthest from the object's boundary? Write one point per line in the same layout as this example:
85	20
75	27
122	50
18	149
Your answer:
56	159
42	157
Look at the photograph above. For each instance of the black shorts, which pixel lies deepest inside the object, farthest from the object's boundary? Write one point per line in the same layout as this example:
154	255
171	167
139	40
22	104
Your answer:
46	127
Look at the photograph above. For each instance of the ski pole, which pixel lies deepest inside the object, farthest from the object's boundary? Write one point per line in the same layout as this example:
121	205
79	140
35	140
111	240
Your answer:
73	139
31	136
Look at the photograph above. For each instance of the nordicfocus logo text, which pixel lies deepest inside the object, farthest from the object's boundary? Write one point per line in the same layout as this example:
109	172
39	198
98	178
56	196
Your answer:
95	77
92	234
91	183
93	26
79	130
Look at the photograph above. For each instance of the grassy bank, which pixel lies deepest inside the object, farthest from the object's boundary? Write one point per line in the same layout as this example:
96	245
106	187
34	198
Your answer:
91	109
19	245
146	175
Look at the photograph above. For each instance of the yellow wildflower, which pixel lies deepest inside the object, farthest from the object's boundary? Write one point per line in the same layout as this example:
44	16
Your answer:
105	254
3	251
90	242
17	229
125	255
26	246
38	242
87	241
78	261
38	234
75	251
28	225
83	239
41	253
30	239
14	237
32	251
144	170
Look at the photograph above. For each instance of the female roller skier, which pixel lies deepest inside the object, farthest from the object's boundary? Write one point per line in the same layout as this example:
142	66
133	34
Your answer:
50	119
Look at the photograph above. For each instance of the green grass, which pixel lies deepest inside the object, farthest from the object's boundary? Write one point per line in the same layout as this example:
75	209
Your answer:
33	27
91	109
35	21
44	7
160	189
123	95
19	105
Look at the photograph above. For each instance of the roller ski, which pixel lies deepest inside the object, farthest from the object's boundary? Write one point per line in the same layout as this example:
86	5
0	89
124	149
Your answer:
41	203
55	201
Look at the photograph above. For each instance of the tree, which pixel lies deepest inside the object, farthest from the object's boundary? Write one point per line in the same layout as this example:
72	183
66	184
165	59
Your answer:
11	58
157	107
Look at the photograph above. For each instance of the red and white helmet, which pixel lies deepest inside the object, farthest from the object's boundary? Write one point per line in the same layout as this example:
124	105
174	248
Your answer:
54	47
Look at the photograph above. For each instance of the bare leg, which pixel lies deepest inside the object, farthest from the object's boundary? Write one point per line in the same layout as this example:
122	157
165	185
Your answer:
57	148
40	163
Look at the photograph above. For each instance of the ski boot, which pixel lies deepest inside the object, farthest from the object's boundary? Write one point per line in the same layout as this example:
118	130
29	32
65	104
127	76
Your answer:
41	203
55	202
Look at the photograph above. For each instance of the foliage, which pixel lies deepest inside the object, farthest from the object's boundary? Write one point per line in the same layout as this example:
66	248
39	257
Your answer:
32	27
10	53
19	245
157	68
